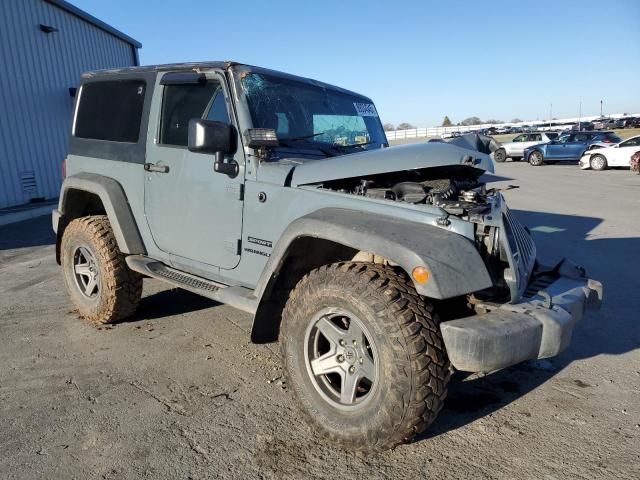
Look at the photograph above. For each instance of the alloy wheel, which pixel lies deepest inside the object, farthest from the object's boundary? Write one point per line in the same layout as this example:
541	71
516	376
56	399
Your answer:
341	358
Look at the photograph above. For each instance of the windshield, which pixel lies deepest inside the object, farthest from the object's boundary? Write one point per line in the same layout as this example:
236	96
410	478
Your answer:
307	116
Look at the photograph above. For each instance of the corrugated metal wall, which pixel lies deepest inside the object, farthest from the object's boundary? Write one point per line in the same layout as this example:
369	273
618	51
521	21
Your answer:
36	71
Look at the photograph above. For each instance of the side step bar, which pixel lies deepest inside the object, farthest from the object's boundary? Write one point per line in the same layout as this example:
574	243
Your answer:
239	297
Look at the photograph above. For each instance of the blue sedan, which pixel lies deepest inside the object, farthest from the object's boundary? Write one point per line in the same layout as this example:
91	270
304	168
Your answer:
568	147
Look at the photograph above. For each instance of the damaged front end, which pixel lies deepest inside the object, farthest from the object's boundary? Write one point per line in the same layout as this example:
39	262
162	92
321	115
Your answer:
530	310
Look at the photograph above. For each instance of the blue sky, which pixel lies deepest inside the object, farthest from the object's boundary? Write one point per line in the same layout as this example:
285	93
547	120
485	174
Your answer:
418	60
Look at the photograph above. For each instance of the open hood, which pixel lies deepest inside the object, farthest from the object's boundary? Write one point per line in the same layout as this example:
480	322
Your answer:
472	152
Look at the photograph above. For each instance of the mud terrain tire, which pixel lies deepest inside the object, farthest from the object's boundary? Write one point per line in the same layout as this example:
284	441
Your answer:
99	282
411	365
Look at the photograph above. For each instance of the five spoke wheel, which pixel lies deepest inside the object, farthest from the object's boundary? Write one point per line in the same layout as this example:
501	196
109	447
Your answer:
340	358
86	272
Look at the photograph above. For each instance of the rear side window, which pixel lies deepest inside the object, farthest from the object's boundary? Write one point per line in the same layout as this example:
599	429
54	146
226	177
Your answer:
552	136
110	111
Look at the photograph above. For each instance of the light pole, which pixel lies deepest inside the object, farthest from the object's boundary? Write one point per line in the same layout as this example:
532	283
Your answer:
580	115
600	108
550	113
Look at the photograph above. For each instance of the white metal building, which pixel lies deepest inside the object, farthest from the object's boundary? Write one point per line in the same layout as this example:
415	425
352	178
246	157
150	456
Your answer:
44	47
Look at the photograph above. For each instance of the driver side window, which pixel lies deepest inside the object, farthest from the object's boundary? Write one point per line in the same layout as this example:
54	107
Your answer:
633	142
181	103
520	138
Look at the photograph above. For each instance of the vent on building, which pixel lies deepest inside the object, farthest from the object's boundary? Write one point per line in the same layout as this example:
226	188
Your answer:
28	182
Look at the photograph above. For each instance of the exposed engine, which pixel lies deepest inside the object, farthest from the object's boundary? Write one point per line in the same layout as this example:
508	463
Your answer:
458	193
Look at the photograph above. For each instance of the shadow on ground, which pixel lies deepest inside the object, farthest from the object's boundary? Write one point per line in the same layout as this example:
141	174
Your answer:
613	330
29	233
166	303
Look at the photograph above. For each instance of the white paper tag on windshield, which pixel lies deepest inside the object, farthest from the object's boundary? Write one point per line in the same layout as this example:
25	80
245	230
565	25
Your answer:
365	109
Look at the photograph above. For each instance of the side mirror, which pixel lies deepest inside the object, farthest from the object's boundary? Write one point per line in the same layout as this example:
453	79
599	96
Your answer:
219	138
209	136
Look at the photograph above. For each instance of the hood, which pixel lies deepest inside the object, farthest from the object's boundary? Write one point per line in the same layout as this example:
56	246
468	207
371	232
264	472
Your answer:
395	159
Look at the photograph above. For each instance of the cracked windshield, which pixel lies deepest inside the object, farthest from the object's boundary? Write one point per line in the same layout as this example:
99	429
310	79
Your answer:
312	119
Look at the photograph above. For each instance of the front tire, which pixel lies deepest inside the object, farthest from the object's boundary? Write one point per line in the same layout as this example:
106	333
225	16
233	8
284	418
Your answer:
598	162
364	355
536	159
101	286
500	155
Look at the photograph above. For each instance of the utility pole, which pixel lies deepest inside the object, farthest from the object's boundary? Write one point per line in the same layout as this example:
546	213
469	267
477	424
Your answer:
580	115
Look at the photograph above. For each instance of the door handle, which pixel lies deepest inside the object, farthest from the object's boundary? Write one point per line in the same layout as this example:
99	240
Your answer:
152	167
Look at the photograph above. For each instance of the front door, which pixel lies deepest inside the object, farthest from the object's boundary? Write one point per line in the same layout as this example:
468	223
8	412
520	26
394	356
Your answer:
620	156
577	146
192	211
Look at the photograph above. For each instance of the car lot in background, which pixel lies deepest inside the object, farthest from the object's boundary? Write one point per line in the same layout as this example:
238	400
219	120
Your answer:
600	156
569	147
515	148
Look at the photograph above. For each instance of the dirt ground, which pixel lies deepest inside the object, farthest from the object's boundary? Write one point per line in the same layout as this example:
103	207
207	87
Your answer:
178	391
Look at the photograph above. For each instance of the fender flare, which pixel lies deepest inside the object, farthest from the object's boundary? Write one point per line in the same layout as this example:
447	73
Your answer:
455	266
115	203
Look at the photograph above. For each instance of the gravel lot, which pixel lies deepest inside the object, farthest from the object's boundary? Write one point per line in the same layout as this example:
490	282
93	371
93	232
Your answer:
179	392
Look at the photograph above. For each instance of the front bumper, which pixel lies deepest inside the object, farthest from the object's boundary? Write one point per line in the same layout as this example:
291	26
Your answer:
538	326
585	162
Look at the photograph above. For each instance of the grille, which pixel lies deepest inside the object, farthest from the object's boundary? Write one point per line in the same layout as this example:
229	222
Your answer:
522	253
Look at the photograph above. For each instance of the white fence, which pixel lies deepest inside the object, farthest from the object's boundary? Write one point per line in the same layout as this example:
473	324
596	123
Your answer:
440	131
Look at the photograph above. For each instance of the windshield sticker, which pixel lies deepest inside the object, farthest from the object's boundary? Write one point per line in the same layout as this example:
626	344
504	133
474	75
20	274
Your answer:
365	109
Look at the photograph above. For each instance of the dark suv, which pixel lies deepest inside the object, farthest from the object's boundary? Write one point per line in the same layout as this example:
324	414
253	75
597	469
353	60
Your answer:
568	147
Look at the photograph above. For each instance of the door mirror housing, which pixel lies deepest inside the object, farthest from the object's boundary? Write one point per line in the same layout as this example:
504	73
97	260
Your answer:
218	138
209	136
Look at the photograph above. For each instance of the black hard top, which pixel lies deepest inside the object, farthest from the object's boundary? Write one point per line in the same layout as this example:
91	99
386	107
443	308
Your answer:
197	66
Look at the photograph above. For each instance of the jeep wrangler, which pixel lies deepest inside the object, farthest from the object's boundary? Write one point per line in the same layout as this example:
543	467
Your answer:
379	270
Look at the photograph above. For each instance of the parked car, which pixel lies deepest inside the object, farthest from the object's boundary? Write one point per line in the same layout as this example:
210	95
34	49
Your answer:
567	147
604	123
234	182
515	148
583	127
628	122
600	156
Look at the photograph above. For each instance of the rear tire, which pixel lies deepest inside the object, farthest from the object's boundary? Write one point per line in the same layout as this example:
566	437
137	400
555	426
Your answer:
99	282
536	159
598	162
396	355
500	155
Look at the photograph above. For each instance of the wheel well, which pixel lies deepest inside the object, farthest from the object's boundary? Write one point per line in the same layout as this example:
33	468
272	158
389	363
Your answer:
77	204
80	203
303	255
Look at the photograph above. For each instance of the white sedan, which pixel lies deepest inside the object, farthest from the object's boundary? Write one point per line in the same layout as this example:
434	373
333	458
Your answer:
600	156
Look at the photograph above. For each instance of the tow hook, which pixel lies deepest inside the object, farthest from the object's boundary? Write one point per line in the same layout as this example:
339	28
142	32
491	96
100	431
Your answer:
443	220
547	299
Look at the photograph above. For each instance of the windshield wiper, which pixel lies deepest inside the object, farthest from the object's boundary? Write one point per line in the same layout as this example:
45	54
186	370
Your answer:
327	153
303	137
335	145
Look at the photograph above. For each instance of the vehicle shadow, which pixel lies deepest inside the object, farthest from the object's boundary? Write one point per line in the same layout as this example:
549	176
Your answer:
29	233
166	303
613	330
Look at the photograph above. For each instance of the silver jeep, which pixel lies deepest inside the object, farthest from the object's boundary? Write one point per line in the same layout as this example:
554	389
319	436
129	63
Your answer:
515	148
378	269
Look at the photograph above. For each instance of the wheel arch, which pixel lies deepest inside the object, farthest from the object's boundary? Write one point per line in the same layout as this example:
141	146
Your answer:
91	194
331	235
